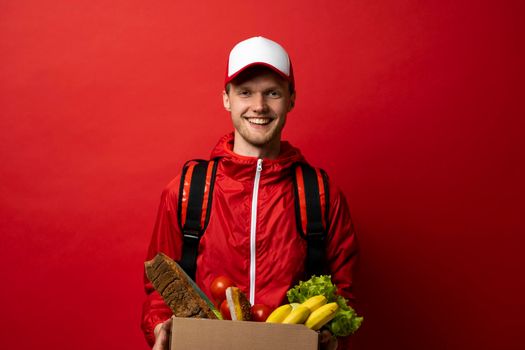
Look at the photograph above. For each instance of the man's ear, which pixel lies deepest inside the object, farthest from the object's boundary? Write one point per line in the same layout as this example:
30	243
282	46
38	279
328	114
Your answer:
226	101
292	102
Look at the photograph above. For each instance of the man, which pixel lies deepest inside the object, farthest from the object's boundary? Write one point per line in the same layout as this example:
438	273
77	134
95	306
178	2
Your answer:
252	235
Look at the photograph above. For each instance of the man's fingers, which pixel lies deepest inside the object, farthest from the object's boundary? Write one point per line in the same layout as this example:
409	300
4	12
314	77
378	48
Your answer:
327	340
167	325
161	342
325	336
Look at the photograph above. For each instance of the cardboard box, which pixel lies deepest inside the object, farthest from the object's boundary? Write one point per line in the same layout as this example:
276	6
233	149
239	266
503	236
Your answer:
203	334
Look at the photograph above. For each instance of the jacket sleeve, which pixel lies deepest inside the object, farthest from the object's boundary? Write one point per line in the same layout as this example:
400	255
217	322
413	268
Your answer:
342	248
166	238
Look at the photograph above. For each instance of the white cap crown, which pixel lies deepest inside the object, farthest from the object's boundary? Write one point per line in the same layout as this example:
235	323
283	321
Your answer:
258	50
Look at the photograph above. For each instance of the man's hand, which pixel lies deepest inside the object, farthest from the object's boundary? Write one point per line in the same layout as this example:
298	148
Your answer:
162	335
327	341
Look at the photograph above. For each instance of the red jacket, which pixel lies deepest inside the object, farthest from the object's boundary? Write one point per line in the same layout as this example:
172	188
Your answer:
227	246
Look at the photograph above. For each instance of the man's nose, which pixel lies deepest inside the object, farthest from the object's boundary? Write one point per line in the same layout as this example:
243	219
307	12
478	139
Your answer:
259	103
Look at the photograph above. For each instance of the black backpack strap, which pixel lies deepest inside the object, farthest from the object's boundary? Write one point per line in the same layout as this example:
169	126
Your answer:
195	199
311	211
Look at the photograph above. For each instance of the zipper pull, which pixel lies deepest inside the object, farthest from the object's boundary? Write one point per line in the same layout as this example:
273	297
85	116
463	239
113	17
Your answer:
259	164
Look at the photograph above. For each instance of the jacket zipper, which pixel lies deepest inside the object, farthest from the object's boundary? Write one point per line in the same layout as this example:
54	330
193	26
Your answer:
253	230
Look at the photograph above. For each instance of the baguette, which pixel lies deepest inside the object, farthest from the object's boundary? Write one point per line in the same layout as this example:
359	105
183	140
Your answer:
240	308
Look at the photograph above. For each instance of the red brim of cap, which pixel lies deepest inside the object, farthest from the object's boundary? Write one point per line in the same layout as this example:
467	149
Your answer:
290	78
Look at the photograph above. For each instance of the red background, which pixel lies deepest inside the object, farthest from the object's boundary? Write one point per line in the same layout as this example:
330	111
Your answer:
416	108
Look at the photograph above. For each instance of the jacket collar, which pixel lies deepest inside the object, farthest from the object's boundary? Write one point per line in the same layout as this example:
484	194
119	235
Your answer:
242	168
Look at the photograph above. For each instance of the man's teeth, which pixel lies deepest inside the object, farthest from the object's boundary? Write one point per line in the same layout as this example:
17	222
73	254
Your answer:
259	121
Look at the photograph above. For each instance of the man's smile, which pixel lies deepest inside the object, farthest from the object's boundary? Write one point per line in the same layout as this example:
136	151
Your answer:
258	120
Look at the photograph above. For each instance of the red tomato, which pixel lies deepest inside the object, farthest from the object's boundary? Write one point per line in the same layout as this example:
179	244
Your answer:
218	288
260	312
225	310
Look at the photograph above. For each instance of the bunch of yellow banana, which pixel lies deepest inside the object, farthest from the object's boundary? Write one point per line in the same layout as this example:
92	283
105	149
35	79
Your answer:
313	313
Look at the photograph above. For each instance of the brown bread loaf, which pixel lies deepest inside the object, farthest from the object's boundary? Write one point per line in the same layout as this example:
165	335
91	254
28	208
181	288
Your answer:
175	288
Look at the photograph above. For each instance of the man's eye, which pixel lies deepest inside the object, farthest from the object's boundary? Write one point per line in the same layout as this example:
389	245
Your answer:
244	93
274	94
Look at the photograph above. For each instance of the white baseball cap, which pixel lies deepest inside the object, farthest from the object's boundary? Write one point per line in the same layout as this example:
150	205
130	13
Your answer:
259	51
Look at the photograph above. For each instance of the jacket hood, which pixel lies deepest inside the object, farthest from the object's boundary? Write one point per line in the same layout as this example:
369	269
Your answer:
243	167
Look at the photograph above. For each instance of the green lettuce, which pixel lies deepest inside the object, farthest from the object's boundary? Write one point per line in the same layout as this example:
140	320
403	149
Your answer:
346	321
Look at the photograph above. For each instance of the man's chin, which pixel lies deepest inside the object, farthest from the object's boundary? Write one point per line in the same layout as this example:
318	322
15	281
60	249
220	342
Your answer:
260	143
257	138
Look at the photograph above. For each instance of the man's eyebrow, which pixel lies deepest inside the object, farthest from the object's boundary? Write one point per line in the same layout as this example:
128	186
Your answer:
274	87
269	88
240	87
